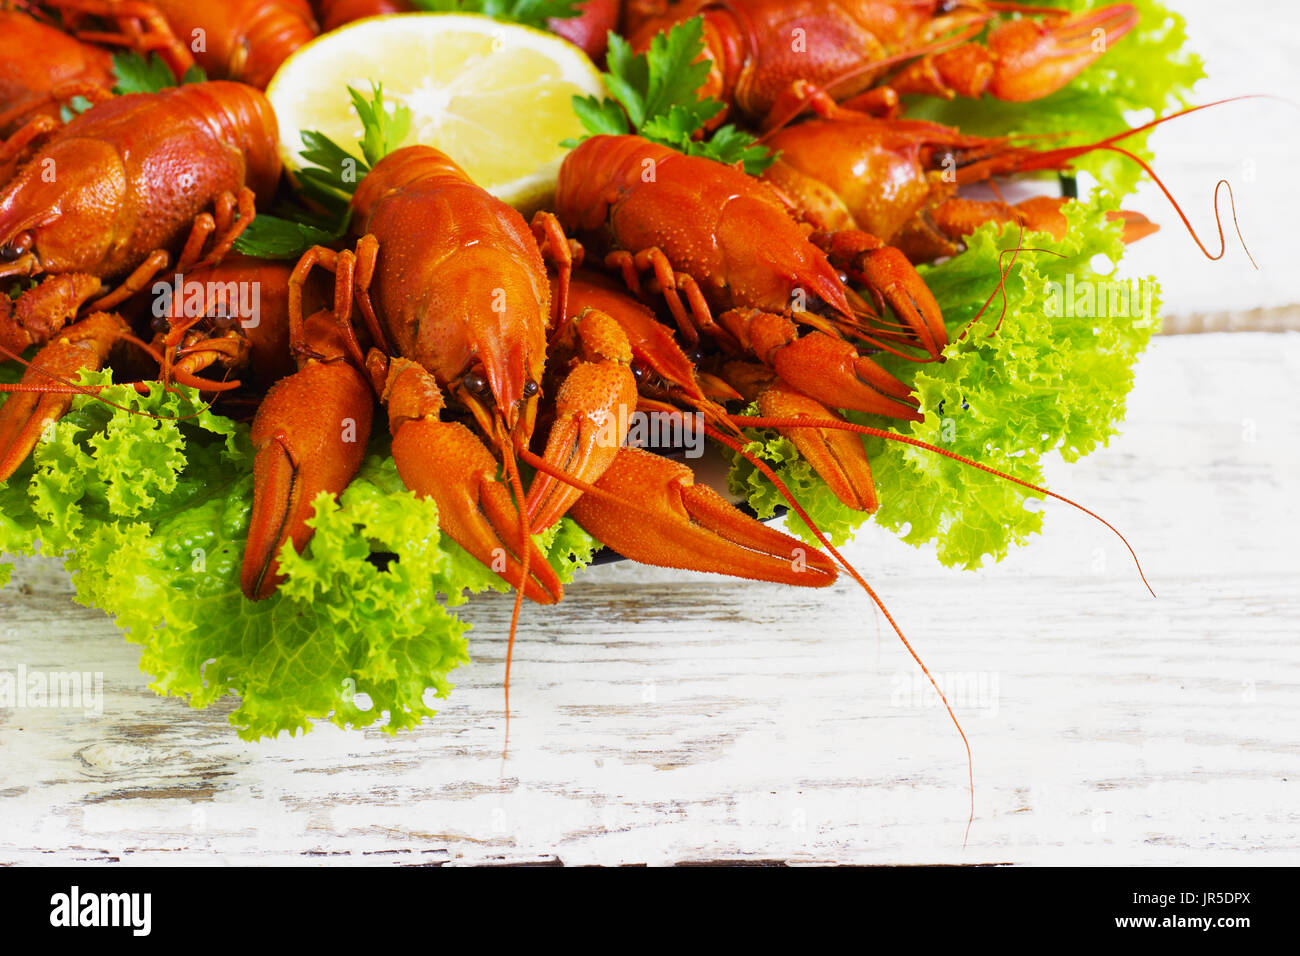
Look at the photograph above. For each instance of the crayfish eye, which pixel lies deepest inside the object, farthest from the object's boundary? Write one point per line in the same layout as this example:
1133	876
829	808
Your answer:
222	321
530	389
16	247
476	382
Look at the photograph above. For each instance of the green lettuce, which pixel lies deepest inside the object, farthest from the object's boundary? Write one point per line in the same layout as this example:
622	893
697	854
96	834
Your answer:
148	504
1041	383
1148	72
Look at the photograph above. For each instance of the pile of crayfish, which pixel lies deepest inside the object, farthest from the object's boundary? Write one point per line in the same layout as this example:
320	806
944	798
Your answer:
501	349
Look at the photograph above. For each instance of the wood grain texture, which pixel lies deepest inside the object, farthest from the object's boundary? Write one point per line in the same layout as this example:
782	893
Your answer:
664	717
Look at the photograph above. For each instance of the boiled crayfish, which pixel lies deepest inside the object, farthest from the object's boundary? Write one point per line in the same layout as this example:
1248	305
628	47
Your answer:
898	179
456	302
444	310
715	240
109	199
244	40
32	89
759	48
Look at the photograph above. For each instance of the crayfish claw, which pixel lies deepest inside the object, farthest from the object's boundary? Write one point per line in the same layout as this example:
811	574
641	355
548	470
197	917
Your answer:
27	412
887	271
445	461
838	457
690	526
831	371
310	433
1033	59
592	411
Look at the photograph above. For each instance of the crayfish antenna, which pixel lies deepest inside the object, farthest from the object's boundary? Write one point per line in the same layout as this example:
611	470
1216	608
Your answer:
738	446
1004	271
825	542
60	383
1057	158
517	487
761	422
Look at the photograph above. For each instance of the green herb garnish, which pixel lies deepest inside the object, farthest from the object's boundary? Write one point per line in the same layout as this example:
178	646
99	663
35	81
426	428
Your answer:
329	179
532	13
655	95
1024	383
135	74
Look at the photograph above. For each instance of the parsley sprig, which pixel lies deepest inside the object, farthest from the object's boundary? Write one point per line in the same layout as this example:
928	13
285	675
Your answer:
332	173
328	180
655	94
132	73
135	74
532	13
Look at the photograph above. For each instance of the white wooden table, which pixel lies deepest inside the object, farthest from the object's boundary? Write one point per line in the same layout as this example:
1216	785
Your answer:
662	717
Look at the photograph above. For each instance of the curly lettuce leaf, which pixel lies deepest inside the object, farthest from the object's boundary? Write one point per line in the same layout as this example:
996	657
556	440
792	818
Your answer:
1150	71
150	515
1048	379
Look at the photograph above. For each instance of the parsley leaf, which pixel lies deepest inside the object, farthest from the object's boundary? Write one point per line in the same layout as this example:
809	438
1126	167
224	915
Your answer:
676	125
599	117
730	145
135	74
273	237
328	180
655	94
382	131
74	108
532	13
674	70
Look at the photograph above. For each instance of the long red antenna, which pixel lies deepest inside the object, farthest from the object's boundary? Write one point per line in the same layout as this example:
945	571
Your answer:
65	386
526	551
756	421
739	447
1057	158
785	493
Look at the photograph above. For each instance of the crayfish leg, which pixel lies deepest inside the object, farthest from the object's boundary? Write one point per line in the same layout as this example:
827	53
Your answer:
592	411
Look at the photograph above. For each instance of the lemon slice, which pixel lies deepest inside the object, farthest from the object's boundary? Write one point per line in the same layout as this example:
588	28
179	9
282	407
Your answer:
495	97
